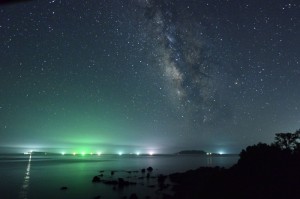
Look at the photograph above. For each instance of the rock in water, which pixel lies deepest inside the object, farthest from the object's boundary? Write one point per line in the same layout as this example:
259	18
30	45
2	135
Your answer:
150	169
63	188
96	179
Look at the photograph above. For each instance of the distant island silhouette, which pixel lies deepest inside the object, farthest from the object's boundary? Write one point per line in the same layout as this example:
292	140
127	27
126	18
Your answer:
200	152
187	152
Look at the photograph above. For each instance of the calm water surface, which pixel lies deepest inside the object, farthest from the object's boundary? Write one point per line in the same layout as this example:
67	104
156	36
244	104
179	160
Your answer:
34	177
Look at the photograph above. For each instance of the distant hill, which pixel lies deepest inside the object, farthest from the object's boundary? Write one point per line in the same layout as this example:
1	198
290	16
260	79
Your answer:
191	152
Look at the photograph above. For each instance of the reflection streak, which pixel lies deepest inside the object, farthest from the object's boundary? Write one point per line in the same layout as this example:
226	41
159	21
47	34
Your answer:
25	186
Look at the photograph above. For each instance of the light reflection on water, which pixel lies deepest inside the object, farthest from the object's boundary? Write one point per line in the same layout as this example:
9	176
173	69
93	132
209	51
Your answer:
25	186
209	161
76	172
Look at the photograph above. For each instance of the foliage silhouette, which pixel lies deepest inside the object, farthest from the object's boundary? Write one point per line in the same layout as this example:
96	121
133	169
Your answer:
287	141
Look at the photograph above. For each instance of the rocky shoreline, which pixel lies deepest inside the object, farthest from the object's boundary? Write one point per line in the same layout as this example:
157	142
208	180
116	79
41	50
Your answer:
205	182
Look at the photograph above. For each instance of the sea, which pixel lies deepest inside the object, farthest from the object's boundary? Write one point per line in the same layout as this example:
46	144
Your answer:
30	176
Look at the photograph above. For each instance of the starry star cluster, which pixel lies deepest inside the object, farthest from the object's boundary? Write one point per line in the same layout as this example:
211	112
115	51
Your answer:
148	74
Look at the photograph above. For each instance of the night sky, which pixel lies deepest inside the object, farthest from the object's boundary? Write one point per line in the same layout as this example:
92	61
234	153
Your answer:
148	75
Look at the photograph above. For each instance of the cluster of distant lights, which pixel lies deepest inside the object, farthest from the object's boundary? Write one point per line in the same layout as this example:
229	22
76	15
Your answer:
99	153
96	154
83	153
219	153
119	153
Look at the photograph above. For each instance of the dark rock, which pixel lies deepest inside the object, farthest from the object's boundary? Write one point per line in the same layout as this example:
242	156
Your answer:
96	179
112	173
149	169
163	186
143	170
133	196
101	175
110	182
151	186
148	176
101	171
122	182
161	179
64	188
97	197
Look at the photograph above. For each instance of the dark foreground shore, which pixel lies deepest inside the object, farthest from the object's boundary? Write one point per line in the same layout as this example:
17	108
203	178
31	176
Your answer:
263	171
265	181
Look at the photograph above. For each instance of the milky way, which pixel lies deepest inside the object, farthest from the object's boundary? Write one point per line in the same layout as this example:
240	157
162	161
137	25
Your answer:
185	59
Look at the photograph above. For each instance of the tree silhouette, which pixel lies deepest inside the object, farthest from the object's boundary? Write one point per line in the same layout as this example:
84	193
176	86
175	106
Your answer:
260	157
288	141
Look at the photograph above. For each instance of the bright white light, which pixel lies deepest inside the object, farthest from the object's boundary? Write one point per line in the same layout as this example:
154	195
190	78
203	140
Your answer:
74	153
28	153
91	153
120	153
63	153
82	153
137	153
98	153
151	153
221	152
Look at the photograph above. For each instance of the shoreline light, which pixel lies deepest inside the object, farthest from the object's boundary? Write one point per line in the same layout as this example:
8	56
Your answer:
98	153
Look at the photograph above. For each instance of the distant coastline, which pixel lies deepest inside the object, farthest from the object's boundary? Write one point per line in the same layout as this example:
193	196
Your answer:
201	152
184	152
192	152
